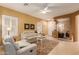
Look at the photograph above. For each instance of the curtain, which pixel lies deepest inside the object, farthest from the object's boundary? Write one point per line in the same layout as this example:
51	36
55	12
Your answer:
9	22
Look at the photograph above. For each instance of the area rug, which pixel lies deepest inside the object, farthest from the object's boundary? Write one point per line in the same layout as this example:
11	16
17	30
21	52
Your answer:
45	46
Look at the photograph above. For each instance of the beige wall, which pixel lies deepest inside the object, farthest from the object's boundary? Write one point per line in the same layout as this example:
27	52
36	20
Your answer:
45	27
66	23
0	28
72	16
77	27
23	18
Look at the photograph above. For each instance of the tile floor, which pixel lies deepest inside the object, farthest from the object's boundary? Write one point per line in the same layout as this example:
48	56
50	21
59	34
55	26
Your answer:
66	48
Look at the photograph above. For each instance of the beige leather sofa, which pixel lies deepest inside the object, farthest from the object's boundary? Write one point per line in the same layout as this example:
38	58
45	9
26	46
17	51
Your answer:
29	36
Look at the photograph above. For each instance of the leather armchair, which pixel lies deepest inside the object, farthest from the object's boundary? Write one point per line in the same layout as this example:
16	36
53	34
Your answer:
12	49
28	50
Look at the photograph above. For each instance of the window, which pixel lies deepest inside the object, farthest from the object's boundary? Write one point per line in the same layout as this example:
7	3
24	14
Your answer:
9	26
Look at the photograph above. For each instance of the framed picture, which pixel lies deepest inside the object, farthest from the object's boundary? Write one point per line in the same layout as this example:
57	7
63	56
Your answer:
26	26
32	26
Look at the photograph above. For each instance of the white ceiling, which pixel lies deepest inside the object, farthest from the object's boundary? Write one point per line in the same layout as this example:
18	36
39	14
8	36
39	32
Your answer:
33	9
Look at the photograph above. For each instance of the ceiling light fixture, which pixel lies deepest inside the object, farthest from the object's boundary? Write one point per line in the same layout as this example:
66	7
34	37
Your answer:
45	10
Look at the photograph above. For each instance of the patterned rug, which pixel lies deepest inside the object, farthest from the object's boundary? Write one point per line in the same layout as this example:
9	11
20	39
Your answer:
45	46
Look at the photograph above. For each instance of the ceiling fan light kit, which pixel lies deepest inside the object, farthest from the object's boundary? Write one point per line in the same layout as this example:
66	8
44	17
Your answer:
45	10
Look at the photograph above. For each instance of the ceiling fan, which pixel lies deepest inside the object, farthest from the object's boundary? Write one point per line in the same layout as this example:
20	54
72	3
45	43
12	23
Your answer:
45	9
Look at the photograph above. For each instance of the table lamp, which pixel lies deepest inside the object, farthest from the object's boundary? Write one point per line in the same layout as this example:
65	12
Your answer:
8	29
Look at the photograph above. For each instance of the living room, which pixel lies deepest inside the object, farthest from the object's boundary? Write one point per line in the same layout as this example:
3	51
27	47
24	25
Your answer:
38	29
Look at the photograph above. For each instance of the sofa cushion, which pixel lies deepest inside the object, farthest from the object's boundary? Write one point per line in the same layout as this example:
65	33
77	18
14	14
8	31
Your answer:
21	44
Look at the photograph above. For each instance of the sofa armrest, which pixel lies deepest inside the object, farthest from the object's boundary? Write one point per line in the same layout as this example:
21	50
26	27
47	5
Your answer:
9	49
31	49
